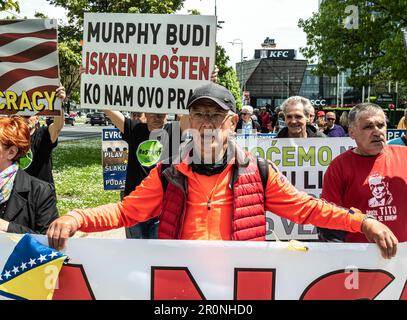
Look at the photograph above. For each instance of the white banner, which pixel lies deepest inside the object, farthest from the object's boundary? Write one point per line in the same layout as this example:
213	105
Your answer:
304	162
225	270
145	62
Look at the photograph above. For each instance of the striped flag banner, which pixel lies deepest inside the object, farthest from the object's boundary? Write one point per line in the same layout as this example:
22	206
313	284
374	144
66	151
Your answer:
29	74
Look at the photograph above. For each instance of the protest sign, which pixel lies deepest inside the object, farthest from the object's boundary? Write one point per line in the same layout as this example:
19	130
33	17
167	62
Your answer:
29	73
145	62
223	270
304	162
394	133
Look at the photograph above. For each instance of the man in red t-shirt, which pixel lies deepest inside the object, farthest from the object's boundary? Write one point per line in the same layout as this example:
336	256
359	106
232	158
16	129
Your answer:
371	177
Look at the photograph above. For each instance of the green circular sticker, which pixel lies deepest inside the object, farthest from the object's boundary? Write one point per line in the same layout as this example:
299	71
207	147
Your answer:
26	160
149	152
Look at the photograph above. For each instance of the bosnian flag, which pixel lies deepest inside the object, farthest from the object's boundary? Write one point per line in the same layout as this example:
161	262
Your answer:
31	271
29	72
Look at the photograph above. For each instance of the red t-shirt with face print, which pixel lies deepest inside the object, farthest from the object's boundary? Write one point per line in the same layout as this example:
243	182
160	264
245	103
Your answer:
375	185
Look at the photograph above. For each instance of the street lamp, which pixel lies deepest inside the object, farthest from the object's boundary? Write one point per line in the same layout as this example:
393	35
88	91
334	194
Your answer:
239	41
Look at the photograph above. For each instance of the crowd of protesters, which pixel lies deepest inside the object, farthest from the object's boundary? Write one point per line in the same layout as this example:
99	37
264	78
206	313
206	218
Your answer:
359	186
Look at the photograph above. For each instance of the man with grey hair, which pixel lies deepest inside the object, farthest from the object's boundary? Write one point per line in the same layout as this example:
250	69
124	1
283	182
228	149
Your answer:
311	115
401	141
296	111
371	177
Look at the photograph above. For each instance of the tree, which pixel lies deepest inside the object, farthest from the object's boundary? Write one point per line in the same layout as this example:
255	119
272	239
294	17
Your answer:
9	5
365	37
227	75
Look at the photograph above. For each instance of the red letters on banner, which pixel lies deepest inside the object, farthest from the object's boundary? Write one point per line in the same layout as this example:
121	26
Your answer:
345	285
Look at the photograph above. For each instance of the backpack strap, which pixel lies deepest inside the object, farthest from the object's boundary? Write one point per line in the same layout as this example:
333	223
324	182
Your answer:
263	166
161	168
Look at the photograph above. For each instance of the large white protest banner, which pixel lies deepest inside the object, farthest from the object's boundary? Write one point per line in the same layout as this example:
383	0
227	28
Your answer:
225	270
304	162
145	62
29	74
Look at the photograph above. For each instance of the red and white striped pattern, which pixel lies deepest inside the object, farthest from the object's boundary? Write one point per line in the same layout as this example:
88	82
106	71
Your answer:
29	59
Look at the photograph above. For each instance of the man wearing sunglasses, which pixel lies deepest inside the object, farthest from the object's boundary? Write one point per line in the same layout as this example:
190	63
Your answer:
215	190
333	129
246	124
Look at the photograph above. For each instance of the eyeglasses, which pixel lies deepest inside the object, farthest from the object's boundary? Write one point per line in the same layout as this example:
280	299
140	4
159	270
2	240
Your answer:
244	113
215	118
330	119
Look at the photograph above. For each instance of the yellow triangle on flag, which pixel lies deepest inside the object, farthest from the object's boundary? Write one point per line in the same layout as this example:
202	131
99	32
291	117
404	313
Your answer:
36	284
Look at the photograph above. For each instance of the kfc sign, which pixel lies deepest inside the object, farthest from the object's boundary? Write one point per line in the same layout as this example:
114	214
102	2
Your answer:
274	54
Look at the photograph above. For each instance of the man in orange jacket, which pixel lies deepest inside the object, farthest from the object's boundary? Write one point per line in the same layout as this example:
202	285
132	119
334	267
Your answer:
215	191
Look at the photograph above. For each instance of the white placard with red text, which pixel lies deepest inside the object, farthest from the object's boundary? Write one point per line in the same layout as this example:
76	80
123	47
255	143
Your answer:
179	269
145	62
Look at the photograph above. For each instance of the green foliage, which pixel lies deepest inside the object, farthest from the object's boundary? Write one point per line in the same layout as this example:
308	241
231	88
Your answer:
227	75
78	175
69	63
9	5
373	50
194	12
76	8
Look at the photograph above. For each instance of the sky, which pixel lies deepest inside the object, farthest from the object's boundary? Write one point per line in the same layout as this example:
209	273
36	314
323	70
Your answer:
249	21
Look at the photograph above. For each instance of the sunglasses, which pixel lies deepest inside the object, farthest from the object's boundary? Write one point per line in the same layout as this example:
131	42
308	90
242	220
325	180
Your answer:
330	119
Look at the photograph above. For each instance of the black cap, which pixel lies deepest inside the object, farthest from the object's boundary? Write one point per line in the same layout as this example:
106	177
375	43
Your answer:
215	92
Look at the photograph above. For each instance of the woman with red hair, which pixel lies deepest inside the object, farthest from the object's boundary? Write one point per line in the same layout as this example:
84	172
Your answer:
27	204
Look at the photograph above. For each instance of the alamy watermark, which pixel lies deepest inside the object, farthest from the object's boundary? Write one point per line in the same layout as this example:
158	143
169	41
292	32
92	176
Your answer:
352	18
352	280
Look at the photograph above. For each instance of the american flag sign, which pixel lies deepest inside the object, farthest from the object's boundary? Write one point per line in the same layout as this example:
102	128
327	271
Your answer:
29	73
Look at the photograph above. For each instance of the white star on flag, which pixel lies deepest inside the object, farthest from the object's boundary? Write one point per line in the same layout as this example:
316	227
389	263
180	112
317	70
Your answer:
15	270
23	266
32	262
7	274
42	258
53	254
